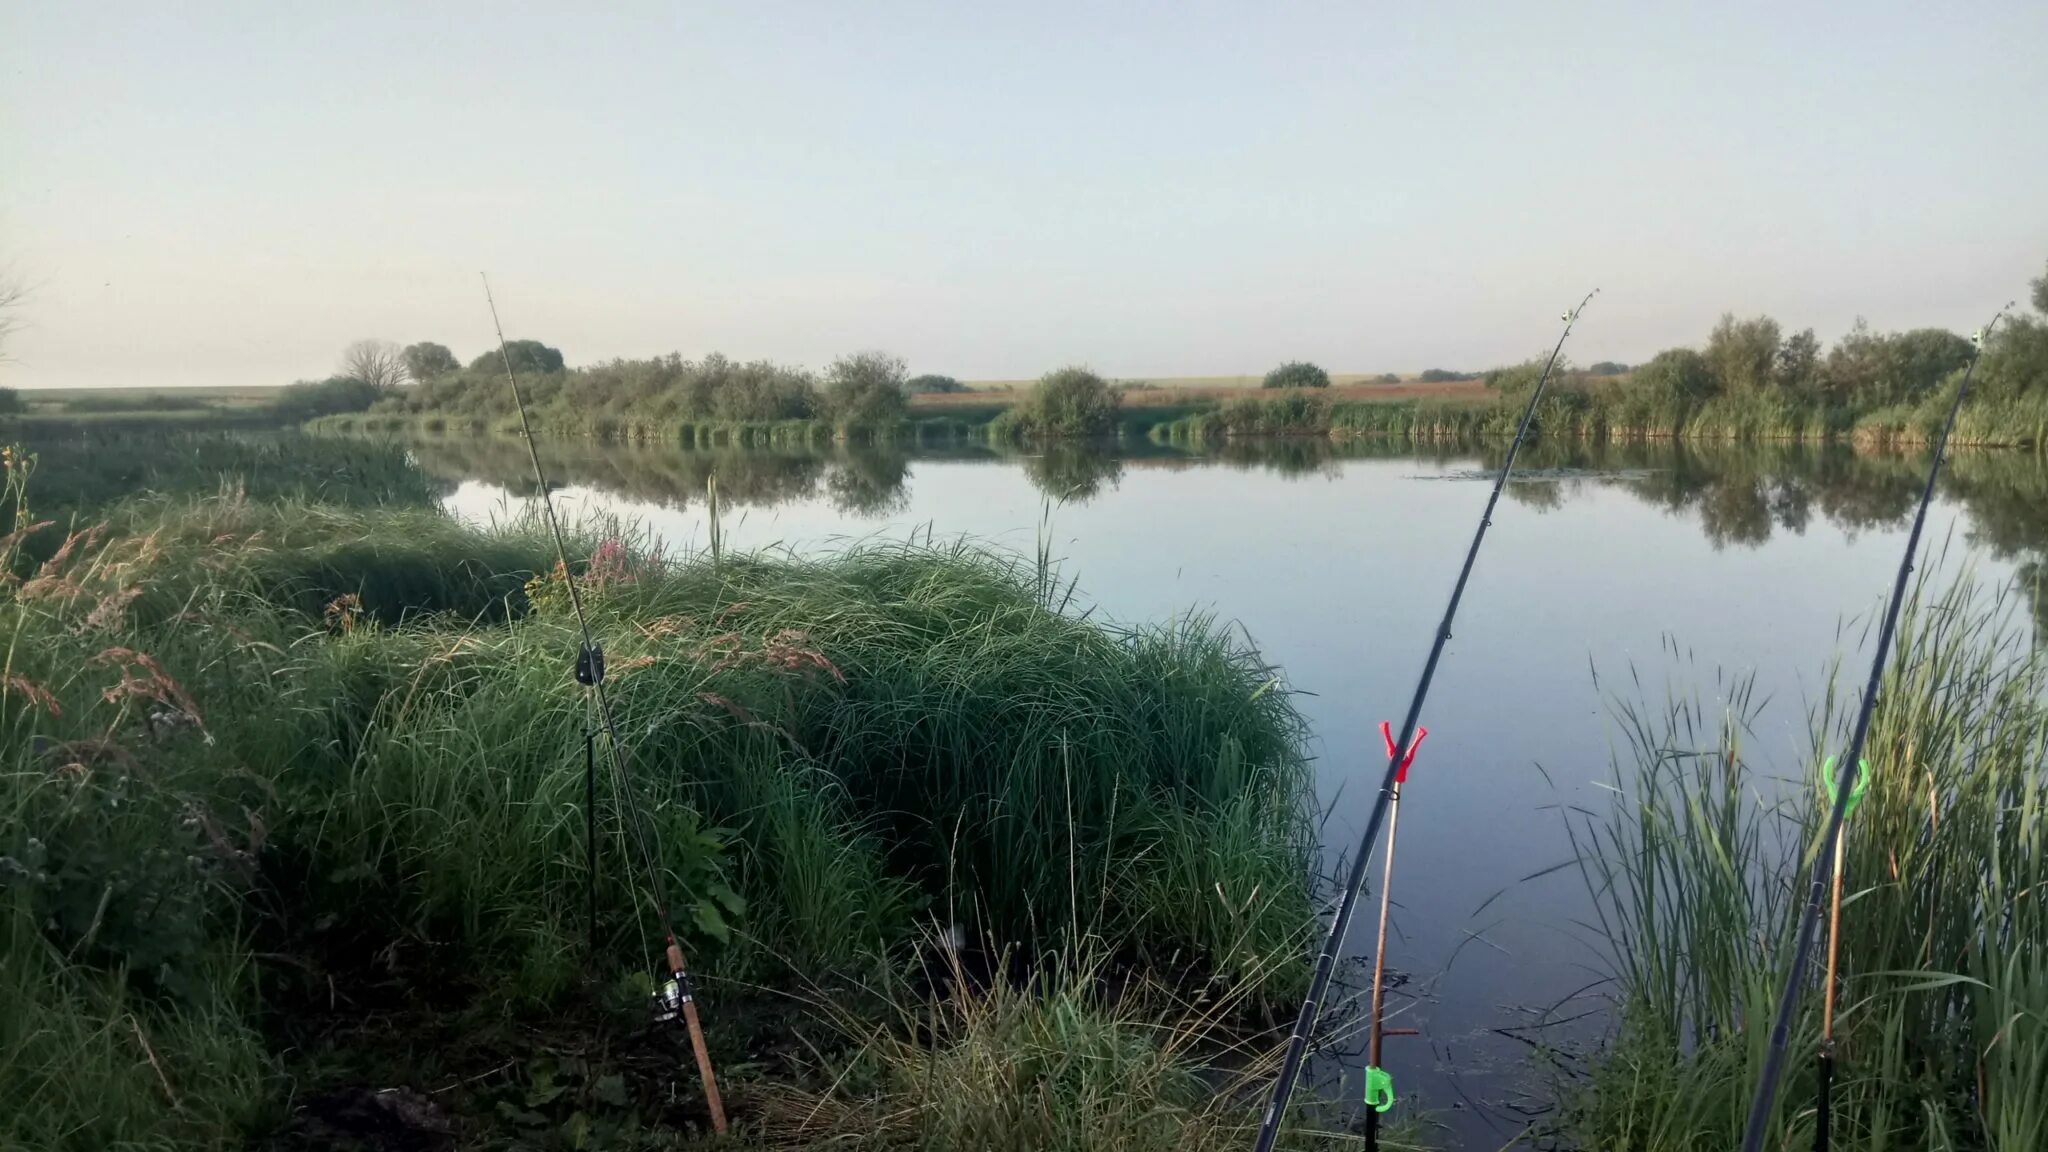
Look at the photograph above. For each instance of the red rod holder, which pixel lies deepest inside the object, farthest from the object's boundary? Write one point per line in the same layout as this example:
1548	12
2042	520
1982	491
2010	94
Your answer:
1387	734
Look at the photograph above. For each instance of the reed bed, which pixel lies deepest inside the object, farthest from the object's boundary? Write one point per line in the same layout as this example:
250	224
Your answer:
1697	870
1613	413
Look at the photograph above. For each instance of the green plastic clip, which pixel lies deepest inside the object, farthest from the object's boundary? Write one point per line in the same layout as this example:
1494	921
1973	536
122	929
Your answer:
1379	1089
1856	791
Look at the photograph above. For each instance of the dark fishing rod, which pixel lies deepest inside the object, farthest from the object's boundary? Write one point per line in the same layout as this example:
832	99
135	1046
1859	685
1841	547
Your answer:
675	996
1824	862
1340	924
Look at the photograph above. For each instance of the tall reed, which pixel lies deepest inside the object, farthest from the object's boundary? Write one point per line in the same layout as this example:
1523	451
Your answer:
1695	872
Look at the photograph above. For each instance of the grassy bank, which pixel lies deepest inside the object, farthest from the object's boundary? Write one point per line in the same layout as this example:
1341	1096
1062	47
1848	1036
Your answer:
292	811
1698	869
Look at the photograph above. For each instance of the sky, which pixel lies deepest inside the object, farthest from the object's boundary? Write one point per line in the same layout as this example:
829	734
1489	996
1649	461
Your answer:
228	194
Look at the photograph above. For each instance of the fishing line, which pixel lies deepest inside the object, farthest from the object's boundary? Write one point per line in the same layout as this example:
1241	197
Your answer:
675	995
1340	925
1809	916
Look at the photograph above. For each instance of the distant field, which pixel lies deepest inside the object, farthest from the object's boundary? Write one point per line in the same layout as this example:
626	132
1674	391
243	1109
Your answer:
1181	390
75	402
183	406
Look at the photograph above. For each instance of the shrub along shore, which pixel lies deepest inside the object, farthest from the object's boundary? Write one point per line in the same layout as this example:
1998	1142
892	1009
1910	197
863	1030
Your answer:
291	812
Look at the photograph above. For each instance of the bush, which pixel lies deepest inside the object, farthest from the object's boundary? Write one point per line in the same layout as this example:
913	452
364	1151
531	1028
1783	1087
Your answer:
10	402
1066	404
428	360
2015	361
1679	374
1607	368
1388	378
310	398
527	356
1296	374
1442	376
864	392
1521	377
934	383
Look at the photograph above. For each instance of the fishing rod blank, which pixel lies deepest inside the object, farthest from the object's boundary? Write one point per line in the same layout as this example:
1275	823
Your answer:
1340	924
1809	915
675	996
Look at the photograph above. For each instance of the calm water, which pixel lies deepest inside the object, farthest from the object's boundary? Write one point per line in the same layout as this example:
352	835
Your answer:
1643	566
1652	568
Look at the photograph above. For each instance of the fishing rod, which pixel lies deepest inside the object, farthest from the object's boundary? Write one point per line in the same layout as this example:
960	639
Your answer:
1379	1086
675	995
1828	859
1340	924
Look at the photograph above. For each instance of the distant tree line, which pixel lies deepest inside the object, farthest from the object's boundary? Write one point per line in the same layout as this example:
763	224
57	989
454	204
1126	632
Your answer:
1750	364
856	394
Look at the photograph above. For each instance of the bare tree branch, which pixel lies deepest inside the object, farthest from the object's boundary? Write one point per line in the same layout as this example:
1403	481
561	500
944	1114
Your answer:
378	363
11	296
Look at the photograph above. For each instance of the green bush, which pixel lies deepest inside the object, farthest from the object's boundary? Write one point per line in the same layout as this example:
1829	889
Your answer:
428	360
934	383
1296	374
1071	403
864	393
527	356
313	398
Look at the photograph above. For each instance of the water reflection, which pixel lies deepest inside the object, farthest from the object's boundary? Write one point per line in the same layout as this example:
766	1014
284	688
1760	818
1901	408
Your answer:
1739	495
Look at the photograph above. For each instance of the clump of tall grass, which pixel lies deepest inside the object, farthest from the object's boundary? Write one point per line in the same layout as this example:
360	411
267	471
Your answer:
1698	869
237	730
1071	1060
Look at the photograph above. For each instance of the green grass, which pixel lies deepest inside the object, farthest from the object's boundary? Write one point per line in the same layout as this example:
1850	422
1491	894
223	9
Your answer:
262	754
1045	1064
1698	868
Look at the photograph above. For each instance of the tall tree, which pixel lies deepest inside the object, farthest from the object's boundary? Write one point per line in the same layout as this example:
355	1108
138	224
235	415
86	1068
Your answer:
1799	361
1743	354
378	363
865	391
426	360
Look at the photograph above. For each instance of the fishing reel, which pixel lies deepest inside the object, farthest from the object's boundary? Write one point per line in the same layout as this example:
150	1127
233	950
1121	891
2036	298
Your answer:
668	998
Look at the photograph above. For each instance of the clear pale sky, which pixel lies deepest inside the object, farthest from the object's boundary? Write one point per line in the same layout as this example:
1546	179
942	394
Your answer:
207	193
